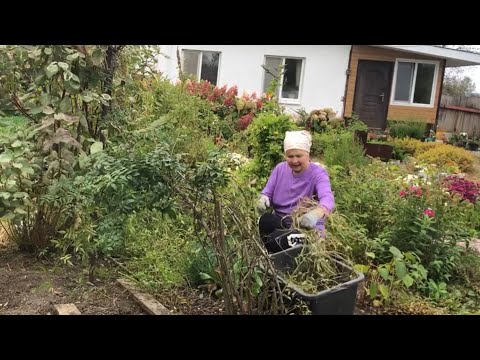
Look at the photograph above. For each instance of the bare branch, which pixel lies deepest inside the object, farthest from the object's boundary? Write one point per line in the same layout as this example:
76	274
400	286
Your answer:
17	103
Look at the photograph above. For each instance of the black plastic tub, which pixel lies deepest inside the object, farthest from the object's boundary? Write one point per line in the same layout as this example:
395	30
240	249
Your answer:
338	300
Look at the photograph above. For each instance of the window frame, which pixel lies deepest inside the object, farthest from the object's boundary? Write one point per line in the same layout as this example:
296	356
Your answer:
412	88
200	60
282	100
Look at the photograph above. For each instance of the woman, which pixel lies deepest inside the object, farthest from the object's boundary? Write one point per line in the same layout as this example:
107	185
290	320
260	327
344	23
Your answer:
290	182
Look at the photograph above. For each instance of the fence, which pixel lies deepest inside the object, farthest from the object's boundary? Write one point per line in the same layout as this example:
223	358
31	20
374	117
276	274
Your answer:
459	114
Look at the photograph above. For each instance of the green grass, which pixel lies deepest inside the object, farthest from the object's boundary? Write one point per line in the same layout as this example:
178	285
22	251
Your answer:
11	124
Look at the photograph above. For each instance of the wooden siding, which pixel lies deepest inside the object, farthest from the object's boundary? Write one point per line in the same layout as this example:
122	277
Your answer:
395	112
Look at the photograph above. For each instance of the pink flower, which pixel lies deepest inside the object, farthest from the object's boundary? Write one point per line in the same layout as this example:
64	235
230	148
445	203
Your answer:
244	121
429	212
232	91
416	190
402	193
228	102
205	89
223	90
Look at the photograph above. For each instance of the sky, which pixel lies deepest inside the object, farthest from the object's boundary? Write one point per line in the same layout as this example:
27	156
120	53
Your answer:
473	72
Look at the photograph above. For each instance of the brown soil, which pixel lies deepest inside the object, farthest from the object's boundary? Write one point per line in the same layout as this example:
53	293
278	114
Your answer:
31	286
191	302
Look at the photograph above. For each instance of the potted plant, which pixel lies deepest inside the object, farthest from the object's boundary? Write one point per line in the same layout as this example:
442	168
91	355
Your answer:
361	136
332	293
473	145
459	140
380	150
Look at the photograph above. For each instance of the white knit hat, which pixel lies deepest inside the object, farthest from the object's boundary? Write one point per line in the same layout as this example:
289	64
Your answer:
301	140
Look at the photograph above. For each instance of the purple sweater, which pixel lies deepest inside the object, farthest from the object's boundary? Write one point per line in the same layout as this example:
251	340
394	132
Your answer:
286	189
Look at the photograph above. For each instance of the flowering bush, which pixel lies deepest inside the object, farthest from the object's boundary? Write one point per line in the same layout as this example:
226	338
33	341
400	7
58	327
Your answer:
232	161
320	120
414	214
226	103
429	223
412	190
468	190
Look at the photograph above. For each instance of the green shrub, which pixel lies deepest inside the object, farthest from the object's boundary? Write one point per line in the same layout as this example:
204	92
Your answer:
412	147
366	195
447	155
406	129
322	141
337	147
266	135
160	249
345	152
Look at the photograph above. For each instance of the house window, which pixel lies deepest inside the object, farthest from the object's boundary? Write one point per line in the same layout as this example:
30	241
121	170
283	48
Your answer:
414	82
290	80
201	64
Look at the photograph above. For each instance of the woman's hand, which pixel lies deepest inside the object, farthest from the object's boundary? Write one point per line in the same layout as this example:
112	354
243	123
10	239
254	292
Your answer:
310	219
263	203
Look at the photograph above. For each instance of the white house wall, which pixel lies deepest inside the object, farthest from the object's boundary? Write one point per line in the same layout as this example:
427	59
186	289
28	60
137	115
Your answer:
324	74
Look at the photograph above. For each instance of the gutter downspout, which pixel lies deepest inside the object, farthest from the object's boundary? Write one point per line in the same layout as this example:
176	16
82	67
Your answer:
347	73
440	94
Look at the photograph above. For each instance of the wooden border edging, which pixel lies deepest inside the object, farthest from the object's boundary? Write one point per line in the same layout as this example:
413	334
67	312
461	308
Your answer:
146	301
66	309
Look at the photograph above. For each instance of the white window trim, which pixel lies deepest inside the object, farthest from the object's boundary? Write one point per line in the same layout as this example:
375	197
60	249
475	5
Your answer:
200	60
287	101
410	101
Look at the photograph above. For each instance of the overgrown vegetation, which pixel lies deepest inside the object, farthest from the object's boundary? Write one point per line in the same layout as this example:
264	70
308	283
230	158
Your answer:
107	159
12	124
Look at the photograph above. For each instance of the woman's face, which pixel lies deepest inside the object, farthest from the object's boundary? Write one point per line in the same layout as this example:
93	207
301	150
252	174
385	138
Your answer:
298	160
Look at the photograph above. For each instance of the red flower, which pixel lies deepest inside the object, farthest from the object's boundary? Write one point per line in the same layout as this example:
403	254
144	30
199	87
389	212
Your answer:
429	212
402	193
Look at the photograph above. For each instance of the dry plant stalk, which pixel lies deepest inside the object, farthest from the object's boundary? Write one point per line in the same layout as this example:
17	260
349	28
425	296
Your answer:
315	270
3	235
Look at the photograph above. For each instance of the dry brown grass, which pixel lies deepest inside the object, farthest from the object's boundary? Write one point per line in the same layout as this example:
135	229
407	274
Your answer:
474	173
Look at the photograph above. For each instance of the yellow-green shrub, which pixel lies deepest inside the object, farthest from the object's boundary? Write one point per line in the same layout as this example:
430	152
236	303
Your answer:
447	155
413	147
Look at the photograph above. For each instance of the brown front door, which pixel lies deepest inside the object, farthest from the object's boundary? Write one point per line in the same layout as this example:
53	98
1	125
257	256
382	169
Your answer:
372	92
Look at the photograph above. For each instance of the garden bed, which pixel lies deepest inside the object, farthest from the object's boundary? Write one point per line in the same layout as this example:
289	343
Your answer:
29	286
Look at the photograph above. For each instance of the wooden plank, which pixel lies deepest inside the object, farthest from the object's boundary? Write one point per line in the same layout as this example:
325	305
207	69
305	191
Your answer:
461	108
66	309
146	301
